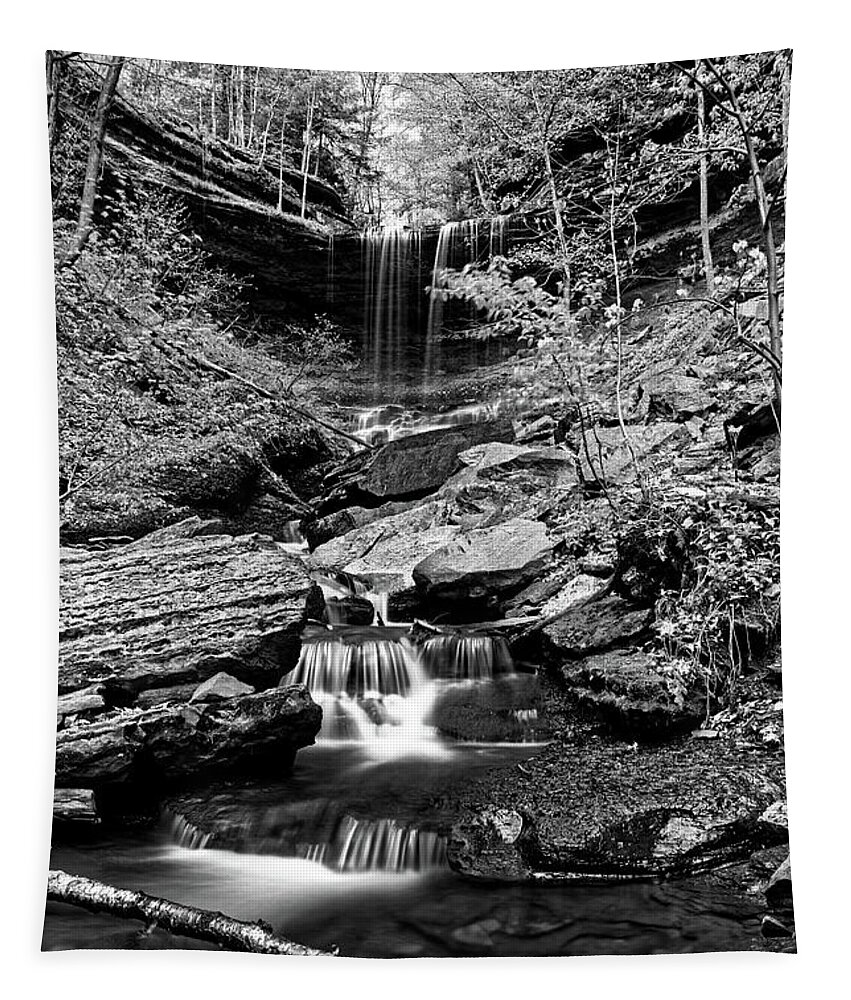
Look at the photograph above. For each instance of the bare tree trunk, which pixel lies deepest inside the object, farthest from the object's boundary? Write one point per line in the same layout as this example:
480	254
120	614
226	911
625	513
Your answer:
213	99
773	291
54	68
93	166
708	265
235	935
308	136
559	218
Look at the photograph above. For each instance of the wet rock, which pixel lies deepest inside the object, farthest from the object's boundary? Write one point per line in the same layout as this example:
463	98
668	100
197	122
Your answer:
624	689
176	744
267	514
595	627
220	687
176	611
778	892
776	815
74	805
507	709
485	563
349	610
319	530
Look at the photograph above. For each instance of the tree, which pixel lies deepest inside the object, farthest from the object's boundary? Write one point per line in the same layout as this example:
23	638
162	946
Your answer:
729	103
93	166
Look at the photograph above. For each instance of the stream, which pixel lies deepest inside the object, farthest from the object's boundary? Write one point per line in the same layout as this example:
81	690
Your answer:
349	850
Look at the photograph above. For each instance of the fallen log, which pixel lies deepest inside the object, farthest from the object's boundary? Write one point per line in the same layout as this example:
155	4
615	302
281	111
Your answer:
205	925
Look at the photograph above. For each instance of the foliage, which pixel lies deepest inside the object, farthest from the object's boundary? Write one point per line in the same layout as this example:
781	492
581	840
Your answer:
729	585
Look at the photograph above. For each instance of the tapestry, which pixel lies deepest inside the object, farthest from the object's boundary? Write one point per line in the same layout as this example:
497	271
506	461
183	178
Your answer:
419	460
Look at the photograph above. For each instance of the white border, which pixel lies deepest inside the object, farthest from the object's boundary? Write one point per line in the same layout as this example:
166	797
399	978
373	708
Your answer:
442	35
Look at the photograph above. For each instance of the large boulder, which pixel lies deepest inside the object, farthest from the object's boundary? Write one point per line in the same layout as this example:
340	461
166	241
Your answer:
173	745
485	563
171	610
408	468
625	690
664	392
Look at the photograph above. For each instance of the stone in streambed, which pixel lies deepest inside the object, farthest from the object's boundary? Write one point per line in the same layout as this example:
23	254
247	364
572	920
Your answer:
220	687
408	468
778	892
175	744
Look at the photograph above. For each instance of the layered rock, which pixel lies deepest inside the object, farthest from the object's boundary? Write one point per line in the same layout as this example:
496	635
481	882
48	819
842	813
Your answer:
171	745
408	468
173	610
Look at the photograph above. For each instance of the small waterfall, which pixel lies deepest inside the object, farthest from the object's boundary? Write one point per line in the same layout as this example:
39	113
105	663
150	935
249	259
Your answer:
185	834
467	657
379	845
369	668
381	424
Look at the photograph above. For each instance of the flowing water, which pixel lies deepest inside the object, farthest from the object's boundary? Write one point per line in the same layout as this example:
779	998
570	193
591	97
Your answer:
349	851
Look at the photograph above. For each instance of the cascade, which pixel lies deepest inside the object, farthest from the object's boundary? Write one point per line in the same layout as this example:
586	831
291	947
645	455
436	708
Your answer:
380	424
379	845
467	657
183	833
353	663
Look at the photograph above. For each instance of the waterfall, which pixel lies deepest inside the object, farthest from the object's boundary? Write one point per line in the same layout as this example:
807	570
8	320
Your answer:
388	261
369	668
459	243
467	657
379	845
185	834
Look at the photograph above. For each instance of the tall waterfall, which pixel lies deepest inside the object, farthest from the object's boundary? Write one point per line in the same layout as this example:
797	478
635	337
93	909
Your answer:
395	277
459	243
391	263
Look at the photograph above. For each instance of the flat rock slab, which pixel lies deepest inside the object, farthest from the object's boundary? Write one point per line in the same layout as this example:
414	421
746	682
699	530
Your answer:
607	808
596	627
177	610
486	561
175	744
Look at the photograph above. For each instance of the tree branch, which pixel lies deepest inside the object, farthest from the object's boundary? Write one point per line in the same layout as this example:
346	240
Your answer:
204	925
